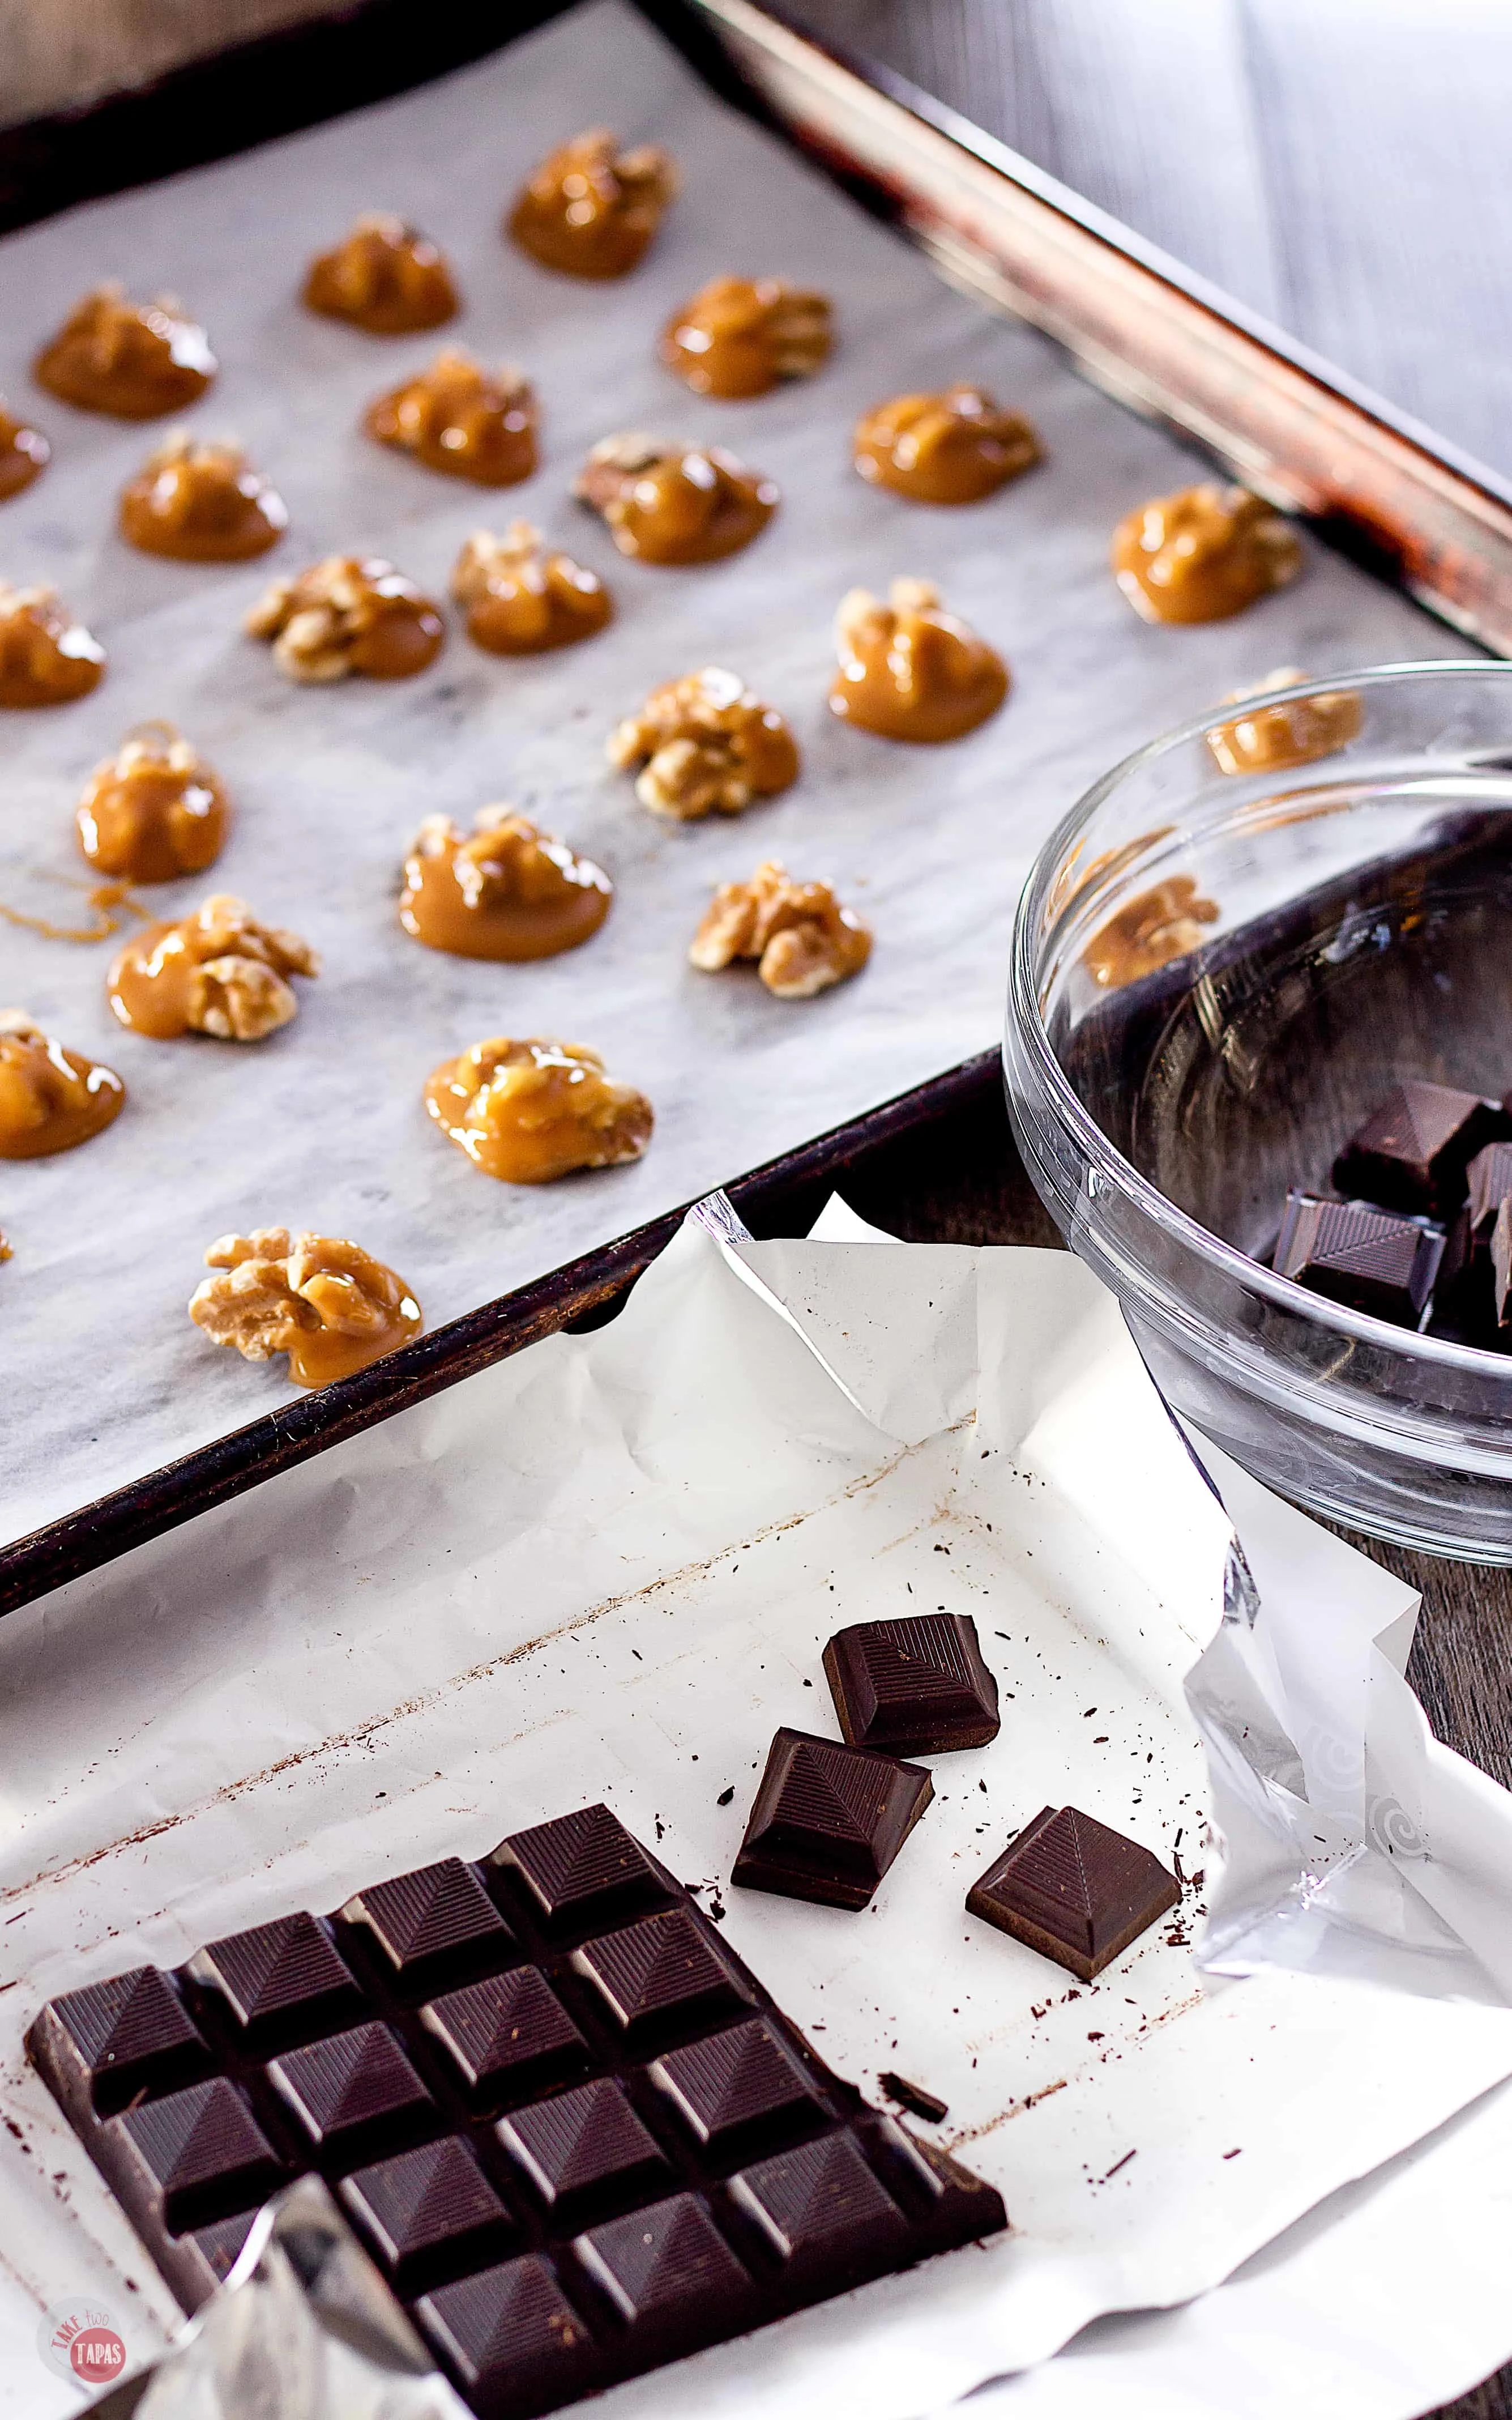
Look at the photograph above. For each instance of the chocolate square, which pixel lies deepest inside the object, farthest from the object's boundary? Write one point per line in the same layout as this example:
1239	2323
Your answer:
582	1868
1369	1259
508	2035
196	2155
657	2264
114	2040
914	1687
662	1969
828	1821
1411	1153
820	2207
510	2336
1074	1890
351	2086
279	1980
745	2077
216	2249
575	2146
428	2212
437	1915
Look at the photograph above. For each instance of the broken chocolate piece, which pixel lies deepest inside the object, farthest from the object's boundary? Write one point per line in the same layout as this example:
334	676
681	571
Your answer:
1367	1258
914	1687
738	2079
428	2212
283	1977
421	1919
508	2035
1466	1295
1073	1890
828	1821
350	2087
1411	1153
200	2153
583	2145
913	2098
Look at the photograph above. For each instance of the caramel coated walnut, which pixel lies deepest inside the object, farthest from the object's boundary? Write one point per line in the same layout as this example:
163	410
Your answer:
802	938
910	671
201	503
589	210
506	891
1202	554
706	742
134	360
348	614
24	454
217	971
674	503
385	278
742	336
50	1098
952	448
1277	737
460	418
154	810
46	656
1162	924
520	600
328	1304
530	1112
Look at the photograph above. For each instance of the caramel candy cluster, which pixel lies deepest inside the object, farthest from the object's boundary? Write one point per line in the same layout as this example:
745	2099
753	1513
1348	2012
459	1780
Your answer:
800	935
24	454
385	278
530	1112
952	448
217	971
46	656
328	1304
589	210
519	600
348	614
50	1098
201	503
507	891
1275	737
135	360
674	503
1162	924
1203	554
910	671
154	810
458	417
705	742
742	336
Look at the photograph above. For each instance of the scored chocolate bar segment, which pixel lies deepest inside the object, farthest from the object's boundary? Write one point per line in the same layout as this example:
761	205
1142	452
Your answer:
1074	1890
1368	1260
574	2165
1411	1153
828	1821
913	1687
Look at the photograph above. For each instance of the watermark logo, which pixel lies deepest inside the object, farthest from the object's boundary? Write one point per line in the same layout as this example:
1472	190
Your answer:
82	2340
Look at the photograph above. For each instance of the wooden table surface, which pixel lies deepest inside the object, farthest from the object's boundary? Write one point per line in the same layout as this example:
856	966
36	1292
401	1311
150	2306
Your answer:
960	1182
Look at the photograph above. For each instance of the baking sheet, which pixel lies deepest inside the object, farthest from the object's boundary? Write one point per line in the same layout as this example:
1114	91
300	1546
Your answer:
608	1566
322	1125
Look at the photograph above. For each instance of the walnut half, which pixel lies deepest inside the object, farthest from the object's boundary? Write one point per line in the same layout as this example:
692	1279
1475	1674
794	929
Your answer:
325	1303
705	742
219	971
803	939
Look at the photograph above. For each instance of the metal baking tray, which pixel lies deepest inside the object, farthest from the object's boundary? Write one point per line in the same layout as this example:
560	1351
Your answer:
1366	481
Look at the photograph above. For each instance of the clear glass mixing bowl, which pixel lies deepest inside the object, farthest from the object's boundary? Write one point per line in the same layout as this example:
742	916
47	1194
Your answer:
1327	930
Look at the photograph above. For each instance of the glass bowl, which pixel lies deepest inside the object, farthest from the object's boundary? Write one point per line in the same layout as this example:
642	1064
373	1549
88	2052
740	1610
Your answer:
1220	968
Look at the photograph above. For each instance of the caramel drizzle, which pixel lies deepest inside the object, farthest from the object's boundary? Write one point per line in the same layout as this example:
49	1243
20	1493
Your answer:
104	899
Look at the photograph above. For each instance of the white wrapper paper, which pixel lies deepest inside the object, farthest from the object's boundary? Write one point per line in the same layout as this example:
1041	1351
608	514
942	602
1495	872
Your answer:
608	1568
322	1125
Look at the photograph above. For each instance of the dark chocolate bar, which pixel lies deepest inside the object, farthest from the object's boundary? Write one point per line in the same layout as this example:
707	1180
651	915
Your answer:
914	1687
1073	1890
1411	1153
828	1821
603	2148
1368	1259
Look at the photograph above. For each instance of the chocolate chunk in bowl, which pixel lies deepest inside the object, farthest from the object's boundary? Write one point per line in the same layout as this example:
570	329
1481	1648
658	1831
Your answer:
605	2149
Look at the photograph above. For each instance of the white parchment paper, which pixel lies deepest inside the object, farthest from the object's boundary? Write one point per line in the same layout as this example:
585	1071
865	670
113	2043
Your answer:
322	1125
608	1568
